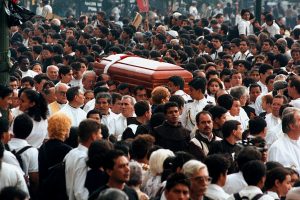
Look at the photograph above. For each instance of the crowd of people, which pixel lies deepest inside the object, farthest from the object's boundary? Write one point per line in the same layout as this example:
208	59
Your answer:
70	131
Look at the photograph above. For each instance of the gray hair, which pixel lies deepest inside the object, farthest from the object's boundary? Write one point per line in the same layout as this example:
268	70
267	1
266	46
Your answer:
52	66
135	174
288	119
87	73
57	86
112	194
105	95
238	91
191	167
132	99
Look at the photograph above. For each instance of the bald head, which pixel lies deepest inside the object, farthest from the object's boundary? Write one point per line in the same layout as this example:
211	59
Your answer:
52	72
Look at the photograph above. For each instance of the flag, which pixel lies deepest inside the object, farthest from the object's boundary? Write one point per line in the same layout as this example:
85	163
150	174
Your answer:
143	5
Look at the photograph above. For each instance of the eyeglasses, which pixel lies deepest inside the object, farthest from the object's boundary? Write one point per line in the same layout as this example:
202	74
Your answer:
62	92
201	179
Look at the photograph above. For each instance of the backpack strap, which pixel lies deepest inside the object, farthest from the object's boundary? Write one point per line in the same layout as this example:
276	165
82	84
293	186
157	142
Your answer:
256	197
23	150
237	196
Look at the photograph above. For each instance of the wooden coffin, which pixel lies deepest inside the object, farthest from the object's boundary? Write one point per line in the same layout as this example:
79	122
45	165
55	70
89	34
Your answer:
140	71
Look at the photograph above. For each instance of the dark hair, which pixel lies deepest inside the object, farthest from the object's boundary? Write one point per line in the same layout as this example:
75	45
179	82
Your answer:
141	145
4	126
97	152
201	113
278	173
115	96
229	126
264	68
257	125
86	128
5	91
169	105
247	154
13	193
253	172
217	111
63	70
175	179
40	109
110	158
104	132
138	87
40	77
226	101
141	107
217	165
177	99
94	111
22	126
72	92
198	83
28	79
177	81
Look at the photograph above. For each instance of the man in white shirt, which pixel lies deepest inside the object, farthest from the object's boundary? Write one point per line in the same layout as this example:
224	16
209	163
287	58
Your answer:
271	26
103	103
235	182
244	24
24	63
294	92
120	122
244	50
72	109
273	118
61	98
176	85
76	169
265	70
197	91
77	75
286	150
47	9
217	166
88	80
22	128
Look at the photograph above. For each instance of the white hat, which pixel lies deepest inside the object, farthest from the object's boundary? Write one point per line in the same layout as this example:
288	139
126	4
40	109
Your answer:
176	15
173	33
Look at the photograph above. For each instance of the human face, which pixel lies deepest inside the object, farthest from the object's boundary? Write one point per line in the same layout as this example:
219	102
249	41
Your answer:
121	171
254	93
37	69
95	117
102	105
276	104
96	136
199	182
127	107
236	80
79	98
205	124
69	33
178	192
234	48
255	75
26	85
284	186
243	46
194	93
173	88
216	43
172	115
295	56
266	47
24	65
61	94
213	87
67	77
220	121
89	82
235	109
88	96
13	85
141	95
117	107
6	102
246	16
52	73
239	132
25	103
14	100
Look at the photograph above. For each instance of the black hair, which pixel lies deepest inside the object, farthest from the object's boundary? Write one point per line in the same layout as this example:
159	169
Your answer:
96	153
28	79
253	172
86	128
72	92
169	105
141	107
229	126
257	125
217	165
177	99
13	193
110	158
247	154
217	111
94	111
177	81
5	91
22	126
198	83
226	101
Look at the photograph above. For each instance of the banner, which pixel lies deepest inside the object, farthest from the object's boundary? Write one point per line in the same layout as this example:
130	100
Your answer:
143	5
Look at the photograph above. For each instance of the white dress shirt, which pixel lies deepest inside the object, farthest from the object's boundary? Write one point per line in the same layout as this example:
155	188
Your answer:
264	88
28	73
272	121
10	175
190	110
108	120
76	170
286	151
76	114
234	183
89	105
295	103
39	133
273	194
250	192
273	29
29	157
242	118
216	192
244	27
184	95
10	158
273	134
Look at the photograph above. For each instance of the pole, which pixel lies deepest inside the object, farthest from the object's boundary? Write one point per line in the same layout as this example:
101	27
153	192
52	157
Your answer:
4	46
258	10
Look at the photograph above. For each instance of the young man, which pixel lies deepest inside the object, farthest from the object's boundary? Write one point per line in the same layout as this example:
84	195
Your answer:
116	166
75	161
5	101
177	187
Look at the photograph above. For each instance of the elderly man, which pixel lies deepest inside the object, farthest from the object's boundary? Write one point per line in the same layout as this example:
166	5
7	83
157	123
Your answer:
286	150
88	80
52	73
61	98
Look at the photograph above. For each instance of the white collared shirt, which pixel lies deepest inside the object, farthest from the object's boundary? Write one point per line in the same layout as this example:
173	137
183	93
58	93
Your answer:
272	121
273	29
244	27
29	157
184	95
264	88
89	105
295	103
29	73
234	183
76	114
76	170
286	151
251	192
190	110
108	120
216	192
273	134
10	175
120	124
